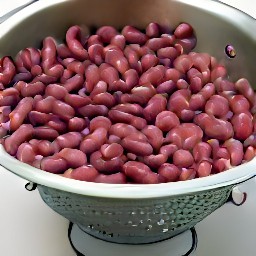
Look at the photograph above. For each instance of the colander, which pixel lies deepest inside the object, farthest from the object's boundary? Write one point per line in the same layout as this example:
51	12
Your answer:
130	213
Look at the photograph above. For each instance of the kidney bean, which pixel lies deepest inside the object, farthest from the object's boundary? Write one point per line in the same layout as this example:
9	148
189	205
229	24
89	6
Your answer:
98	122
148	61
54	164
155	105
77	67
173	74
131	78
183	63
182	84
108	73
139	173
94	39
169	172
134	109
100	87
105	99
117	116
68	140
76	124
25	153
207	91
115	178
239	104
221	165
36	118
31	89
111	166
154	161
183	30
132	57
197	102
136	145
94	140
213	127
133	35
74	157
204	169
168	149
117	59
218	71
166	87
9	97
23	133
92	75
77	101
202	151
73	39
119	41
43	147
154	136
83	173
185	136
157	43
187	174
57	91
112	150
122	130
44	105
67	74
235	149
183	158
20	113
153	30
249	154
154	75
106	33
217	106
45	133
91	110
167	52
56	124
74	83
7	71
96	53
63	110
243	86
242	125
113	139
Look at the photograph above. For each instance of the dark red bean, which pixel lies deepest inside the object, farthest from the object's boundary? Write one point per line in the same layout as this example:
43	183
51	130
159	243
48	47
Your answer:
91	110
204	169
7	71
9	97
217	106
57	91
76	124
54	164
133	35
94	39
157	43
84	173
183	158
153	30
202	151
92	76
100	122
154	136
154	161
131	78
45	133
187	174
26	153
106	33
166	120
166	87
122	130
108	73
74	83
68	140
184	30
115	178
148	61
239	104
153	75
134	109
119	41
96	53
77	101
74	157
169	172
110	151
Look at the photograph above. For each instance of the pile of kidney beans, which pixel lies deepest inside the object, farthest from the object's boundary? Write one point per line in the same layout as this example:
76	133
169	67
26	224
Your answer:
126	106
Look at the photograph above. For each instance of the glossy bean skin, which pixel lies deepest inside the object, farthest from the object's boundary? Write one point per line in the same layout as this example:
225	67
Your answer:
74	83
122	130
57	91
9	97
154	161
166	87
187	174
68	140
183	158
76	124
106	33
166	120
204	169
217	106
239	104
249	154
154	136
77	101
24	133
45	133
19	114
83	173
169	172
139	173
153	30
7	71
96	53
53	164
100	122
26	153
168	149
202	151
63	110
153	75
91	110
133	35
236	151
74	157
134	109
115	178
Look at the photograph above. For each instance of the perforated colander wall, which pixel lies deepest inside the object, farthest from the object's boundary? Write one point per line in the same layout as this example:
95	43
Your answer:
135	221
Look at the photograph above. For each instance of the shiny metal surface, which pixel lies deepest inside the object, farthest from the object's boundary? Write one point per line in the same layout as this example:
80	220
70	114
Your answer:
216	25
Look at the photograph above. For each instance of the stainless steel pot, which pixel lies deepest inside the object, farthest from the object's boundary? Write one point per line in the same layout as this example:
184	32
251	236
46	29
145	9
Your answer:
136	213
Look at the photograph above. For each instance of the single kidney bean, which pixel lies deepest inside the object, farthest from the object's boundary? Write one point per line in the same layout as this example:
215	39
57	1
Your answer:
204	169
63	110
57	124
196	84
217	72
242	125
45	133
187	174
31	89
183	63
96	53
173	74
106	33
221	165
7	71
184	30
202	151
9	97
182	84
207	91
134	109
76	124
77	101
68	140
183	158
100	87
25	153
157	43
108	73
23	133
167	52
100	122
110	151
243	86
77	67
122	130
117	116
239	104
138	172
132	57
154	161
115	178
166	87
154	75
113	165
148	61
185	136
223	85
94	39
168	149
73	39
54	164
20	113
44	147
57	91
135	145
169	172
155	105
217	106
44	105
153	30
131	78
197	102
84	173
117	59
67	74
133	35
105	99
119	41
236	151
74	157
94	140
36	118
74	83
91	110
63	51
92	76
154	136
249	154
